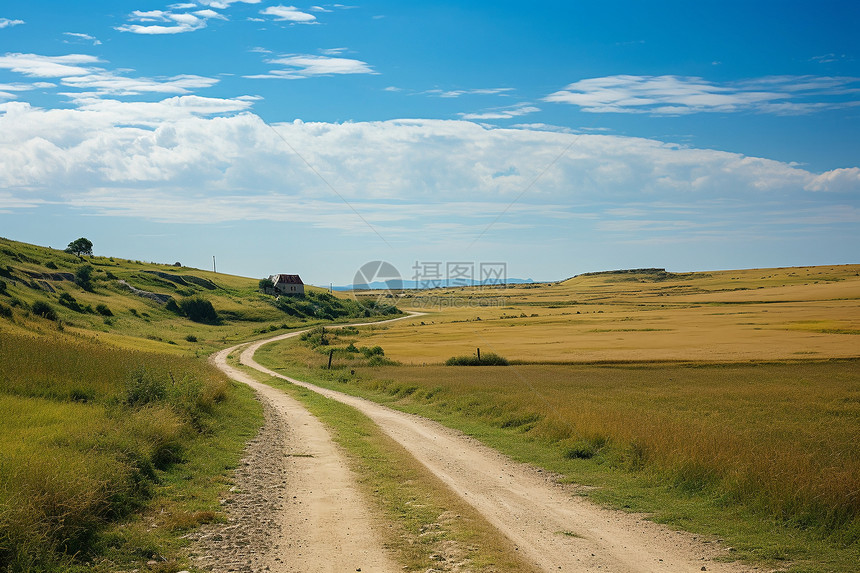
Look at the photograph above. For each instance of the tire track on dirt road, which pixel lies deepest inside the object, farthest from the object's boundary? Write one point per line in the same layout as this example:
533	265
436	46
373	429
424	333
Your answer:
552	527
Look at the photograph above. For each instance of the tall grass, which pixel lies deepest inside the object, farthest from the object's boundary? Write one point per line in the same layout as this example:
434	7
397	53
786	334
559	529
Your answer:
80	446
780	439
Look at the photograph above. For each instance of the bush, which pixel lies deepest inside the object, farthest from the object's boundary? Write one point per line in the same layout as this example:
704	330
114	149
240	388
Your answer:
103	310
43	309
2	287
172	306
70	302
488	359
5	311
198	309
84	277
191	338
51	265
371	352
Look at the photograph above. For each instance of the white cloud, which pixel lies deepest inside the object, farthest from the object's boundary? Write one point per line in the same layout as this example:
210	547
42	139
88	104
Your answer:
83	37
458	93
288	14
318	9
193	159
679	95
74	73
6	90
502	113
7	23
224	4
844	180
307	65
108	83
37	66
332	51
210	14
161	22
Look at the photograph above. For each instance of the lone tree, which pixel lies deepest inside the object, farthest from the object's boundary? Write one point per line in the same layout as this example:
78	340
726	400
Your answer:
266	285
80	247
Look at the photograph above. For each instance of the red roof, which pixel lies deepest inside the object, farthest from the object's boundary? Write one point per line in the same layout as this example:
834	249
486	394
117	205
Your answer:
287	279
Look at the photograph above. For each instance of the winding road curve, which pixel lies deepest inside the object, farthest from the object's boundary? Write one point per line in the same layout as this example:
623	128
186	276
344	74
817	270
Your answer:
553	528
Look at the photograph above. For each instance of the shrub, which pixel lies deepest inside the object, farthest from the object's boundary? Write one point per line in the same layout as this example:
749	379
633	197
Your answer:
371	352
2	287
191	338
84	277
488	359
5	311
70	302
172	306
103	310
51	265
43	309
198	309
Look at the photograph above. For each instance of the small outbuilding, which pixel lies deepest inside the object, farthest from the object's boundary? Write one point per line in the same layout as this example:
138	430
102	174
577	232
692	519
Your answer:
288	284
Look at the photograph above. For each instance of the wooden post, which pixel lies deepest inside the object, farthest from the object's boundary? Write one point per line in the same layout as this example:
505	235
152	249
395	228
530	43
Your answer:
479	355
330	354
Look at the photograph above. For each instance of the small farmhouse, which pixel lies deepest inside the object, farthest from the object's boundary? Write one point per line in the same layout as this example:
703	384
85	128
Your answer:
288	284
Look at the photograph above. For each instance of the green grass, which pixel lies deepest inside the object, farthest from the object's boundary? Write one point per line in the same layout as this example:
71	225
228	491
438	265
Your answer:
38	292
761	455
424	518
88	454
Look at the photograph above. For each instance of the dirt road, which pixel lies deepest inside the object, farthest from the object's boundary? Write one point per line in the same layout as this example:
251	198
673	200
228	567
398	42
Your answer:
553	528
323	525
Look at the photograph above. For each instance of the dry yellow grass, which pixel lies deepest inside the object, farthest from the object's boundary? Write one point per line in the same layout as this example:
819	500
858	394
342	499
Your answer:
758	314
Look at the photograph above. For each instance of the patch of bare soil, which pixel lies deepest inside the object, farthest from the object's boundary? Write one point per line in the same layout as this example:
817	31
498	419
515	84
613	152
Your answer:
252	529
297	507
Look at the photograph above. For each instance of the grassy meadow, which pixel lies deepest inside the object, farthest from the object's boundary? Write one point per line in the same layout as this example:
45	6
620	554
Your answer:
759	314
746	431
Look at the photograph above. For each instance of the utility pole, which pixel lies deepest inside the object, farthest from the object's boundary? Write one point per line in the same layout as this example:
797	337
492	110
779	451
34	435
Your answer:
213	264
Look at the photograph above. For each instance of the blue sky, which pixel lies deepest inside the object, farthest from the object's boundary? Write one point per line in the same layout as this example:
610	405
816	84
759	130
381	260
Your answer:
556	137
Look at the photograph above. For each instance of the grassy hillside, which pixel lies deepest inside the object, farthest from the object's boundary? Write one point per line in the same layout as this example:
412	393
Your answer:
142	305
116	436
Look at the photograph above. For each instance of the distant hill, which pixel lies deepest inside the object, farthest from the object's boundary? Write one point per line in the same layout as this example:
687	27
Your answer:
422	285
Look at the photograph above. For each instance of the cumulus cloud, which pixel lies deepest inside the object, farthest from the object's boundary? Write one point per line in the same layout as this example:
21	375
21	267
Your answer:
194	159
679	95
288	14
300	66
176	20
844	180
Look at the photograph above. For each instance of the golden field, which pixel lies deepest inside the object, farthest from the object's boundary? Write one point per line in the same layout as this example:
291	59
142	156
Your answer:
725	316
